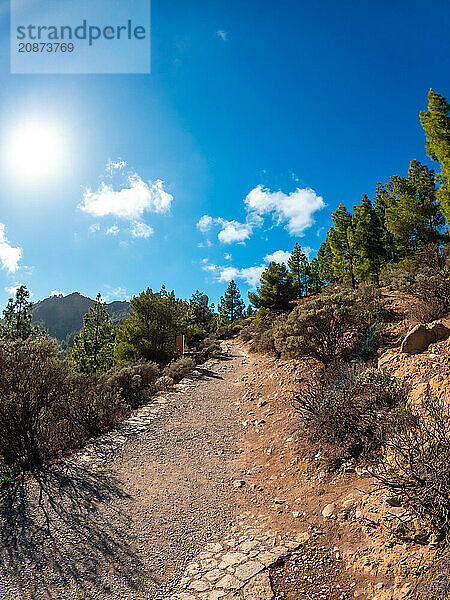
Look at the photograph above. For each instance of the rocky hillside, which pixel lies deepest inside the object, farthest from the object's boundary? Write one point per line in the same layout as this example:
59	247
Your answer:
384	552
63	315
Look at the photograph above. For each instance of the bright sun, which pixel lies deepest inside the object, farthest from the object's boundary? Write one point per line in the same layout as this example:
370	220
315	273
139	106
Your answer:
34	151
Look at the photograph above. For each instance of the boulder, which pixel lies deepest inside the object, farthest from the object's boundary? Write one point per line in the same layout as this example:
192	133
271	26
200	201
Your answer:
421	336
329	510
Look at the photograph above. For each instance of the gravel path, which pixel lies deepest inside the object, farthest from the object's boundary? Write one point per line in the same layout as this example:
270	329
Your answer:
126	528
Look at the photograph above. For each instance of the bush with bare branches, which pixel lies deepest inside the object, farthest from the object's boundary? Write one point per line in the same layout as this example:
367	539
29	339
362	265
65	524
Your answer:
415	466
349	416
427	278
33	384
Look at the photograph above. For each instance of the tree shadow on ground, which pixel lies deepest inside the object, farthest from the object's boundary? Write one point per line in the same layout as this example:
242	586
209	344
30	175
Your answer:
55	538
201	374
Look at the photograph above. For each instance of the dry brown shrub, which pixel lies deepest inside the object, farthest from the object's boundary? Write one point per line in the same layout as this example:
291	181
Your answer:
348	416
415	465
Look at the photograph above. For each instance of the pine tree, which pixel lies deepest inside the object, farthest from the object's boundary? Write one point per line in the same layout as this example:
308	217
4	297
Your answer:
367	239
200	313
250	311
340	239
231	305
314	280
277	289
156	318
17	317
436	123
299	267
93	347
380	204
413	215
325	259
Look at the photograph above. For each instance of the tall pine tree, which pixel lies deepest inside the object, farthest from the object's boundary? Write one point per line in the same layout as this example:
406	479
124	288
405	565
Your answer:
299	267
368	241
231	306
325	259
436	123
314	280
93	347
413	215
17	317
380	204
276	290
340	239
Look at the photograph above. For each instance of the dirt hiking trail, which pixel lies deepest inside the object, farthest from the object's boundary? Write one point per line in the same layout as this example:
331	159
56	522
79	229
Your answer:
125	525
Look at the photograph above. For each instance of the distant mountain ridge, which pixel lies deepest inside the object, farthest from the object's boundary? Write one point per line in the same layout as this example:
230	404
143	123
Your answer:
63	315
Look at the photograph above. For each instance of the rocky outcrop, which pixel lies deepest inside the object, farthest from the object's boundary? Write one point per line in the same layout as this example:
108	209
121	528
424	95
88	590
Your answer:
421	336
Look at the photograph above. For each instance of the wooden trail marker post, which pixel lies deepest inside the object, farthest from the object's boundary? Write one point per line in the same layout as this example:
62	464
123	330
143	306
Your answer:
180	344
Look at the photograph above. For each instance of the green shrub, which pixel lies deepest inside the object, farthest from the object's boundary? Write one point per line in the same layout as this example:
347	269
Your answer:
209	348
135	382
6	473
327	327
261	332
163	383
179	368
227	331
47	408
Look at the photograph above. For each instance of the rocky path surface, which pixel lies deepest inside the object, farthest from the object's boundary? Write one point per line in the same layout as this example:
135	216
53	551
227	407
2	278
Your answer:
125	517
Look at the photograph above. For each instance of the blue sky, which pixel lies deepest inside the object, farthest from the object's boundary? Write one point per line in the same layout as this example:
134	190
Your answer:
260	117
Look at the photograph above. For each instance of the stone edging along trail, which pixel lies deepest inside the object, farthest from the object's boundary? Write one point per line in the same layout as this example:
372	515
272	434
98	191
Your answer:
232	568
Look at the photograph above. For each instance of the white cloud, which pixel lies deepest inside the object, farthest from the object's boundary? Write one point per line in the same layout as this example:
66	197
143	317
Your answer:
251	275
113	230
228	273
115	165
230	231
9	256
129	202
118	293
141	230
280	256
205	223
57	293
233	231
222	34
208	267
295	209
94	227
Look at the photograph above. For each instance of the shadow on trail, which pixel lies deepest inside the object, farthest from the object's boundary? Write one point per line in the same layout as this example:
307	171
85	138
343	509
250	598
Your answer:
54	538
203	374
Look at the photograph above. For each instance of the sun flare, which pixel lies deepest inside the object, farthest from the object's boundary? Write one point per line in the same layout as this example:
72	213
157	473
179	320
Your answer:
34	151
